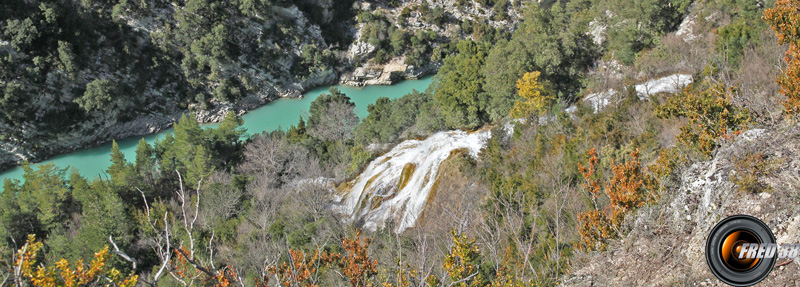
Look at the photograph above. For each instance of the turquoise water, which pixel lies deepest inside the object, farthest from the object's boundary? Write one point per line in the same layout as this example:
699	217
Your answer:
282	113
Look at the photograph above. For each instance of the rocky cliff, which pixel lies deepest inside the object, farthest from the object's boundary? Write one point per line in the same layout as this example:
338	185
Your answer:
412	18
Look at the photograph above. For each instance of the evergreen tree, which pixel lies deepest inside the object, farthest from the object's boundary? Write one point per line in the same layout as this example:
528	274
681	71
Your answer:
226	140
144	158
459	86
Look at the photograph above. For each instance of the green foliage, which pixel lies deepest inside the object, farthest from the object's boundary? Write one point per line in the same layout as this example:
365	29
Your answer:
373	127
123	175
225	141
743	31
13	103
67	60
144	158
45	192
57	48
313	59
103	214
420	51
256	196
389	119
466	26
22	33
633	27
500	10
359	157
628	42
42	203
76	216
320	103
484	32
711	115
98	95
193	151
332	117
430	118
551	41
392	41
67	64
749	170
436	16
735	37
297	133
458	88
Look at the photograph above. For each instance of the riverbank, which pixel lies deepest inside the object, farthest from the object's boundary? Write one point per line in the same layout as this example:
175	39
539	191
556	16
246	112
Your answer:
12	155
281	113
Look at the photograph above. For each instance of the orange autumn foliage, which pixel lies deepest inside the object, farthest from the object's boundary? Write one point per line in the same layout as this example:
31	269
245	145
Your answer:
190	269
628	188
355	265
785	20
300	270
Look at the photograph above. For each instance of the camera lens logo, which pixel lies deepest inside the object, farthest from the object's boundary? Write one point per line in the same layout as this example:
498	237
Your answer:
741	250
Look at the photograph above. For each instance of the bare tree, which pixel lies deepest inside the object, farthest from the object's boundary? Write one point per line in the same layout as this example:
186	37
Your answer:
167	246
222	202
336	122
759	92
273	161
316	194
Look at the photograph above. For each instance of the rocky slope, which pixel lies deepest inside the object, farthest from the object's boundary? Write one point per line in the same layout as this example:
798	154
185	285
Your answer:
664	243
407	15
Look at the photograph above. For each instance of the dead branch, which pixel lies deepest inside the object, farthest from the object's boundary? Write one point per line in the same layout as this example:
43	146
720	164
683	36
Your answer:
121	253
784	263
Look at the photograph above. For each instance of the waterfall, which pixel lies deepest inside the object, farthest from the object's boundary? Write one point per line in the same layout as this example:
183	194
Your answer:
396	186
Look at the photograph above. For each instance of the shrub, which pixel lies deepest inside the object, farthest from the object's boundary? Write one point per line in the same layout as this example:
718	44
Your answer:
709	112
463	262
785	20
748	171
629	188
61	274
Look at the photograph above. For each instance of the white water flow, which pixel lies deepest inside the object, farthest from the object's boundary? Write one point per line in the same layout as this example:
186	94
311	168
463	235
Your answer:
669	84
396	186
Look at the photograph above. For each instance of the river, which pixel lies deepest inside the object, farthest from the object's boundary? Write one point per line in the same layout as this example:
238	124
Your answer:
281	113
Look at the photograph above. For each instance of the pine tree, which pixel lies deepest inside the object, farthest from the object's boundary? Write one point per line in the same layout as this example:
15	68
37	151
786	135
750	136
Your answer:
144	158
198	166
119	166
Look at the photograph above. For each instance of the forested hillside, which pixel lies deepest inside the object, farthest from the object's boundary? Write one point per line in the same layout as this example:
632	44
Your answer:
580	153
77	73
